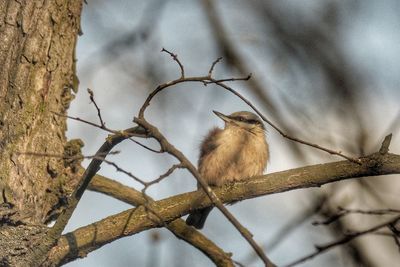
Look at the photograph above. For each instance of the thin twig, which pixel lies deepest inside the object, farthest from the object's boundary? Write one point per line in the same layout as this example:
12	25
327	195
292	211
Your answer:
208	79
51	155
91	96
111	163
119	169
146	147
175	58
289	227
396	234
104	128
264	118
213	81
199	79
97	156
149	200
343	212
347	238
213	65
166	174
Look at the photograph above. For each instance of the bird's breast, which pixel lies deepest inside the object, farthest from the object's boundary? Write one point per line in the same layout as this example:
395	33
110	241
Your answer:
237	155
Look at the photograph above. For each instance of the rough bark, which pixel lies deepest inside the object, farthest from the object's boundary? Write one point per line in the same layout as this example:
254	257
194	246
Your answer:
37	76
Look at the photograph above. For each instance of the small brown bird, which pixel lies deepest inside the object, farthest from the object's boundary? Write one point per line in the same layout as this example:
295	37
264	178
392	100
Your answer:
237	152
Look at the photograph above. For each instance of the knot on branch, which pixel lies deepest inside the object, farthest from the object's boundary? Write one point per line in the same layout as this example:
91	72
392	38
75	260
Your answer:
375	161
73	154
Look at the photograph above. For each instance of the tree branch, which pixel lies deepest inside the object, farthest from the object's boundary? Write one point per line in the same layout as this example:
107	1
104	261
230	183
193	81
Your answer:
178	227
137	219
64	252
345	239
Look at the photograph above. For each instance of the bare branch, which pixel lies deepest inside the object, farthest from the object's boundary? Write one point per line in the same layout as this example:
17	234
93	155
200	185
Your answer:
396	234
212	80
103	127
50	155
175	58
91	96
166	174
64	253
343	212
146	147
119	169
111	163
208	79
289	227
330	151
178	227
213	65
136	220
347	238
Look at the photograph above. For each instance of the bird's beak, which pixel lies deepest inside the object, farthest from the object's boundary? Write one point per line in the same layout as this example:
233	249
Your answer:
222	116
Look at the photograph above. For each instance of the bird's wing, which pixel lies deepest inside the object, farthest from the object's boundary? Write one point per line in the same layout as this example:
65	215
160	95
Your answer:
209	143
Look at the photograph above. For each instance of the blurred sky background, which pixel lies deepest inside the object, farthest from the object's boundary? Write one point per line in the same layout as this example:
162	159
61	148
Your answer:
324	71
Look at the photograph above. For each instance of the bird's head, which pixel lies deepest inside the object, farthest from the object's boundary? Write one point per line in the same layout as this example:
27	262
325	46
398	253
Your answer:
243	119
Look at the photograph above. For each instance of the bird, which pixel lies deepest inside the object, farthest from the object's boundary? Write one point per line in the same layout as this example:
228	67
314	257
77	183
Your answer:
234	153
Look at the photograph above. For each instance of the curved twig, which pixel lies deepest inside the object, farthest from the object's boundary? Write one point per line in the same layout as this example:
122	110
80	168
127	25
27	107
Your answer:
220	82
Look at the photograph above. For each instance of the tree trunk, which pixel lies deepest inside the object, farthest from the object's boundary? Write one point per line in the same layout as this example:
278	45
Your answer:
37	74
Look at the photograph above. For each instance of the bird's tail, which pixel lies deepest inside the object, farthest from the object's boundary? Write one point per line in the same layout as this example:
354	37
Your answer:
198	217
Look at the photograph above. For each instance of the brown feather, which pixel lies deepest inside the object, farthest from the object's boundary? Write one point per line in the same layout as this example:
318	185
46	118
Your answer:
237	152
210	142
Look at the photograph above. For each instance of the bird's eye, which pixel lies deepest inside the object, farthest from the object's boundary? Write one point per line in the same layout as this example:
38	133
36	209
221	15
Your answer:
253	121
239	119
